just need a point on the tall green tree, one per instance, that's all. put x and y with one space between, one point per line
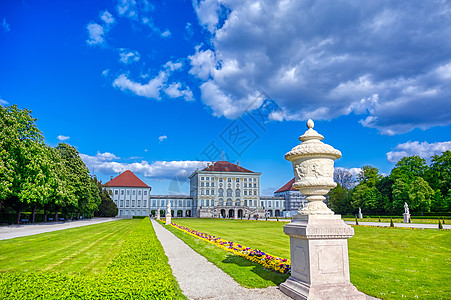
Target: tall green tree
410 167
77 177
439 178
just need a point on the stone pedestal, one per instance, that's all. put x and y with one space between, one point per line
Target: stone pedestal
319 259
406 217
168 219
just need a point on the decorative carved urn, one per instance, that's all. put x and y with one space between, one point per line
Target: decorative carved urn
313 165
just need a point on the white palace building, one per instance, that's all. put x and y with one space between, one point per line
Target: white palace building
221 190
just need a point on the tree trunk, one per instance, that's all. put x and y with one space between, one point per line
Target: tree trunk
18 216
72 215
33 214
78 216
45 215
56 216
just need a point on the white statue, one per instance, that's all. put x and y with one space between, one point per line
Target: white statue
406 208
360 211
169 208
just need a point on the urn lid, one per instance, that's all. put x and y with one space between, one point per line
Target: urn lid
311 145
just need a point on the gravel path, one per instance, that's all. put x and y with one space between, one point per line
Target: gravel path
409 225
13 231
200 279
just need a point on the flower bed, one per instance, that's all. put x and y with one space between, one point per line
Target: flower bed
271 262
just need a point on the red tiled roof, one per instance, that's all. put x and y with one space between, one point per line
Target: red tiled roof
225 166
127 179
287 187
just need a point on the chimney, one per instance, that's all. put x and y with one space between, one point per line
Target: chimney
237 163
111 177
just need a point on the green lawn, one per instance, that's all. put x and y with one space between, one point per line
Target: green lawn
116 260
85 249
385 262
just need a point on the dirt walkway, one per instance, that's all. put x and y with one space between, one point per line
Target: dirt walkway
13 231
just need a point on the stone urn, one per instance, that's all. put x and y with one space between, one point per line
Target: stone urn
318 237
313 165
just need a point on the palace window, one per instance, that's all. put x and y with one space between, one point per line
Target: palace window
277 203
145 193
127 203
208 202
237 193
201 192
180 203
255 185
207 184
221 192
122 203
208 192
262 203
133 192
133 203
269 203
189 203
245 202
144 203
237 180
250 202
122 192
229 180
229 202
237 202
220 202
116 192
212 183
229 192
139 193
201 184
201 178
255 193
128 192
245 193
212 192
245 185
220 179
202 202
245 179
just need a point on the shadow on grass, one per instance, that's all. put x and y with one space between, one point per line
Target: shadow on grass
259 270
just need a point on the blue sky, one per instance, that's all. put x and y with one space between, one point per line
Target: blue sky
162 87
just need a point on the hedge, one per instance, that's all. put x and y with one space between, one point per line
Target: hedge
139 271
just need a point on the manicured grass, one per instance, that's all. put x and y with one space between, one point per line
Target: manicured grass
86 249
245 272
399 220
388 263
139 270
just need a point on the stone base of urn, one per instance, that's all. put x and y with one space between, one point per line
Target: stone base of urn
168 219
319 259
406 217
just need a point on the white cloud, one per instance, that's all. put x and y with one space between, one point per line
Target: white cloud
175 90
153 88
162 138
423 149
63 138
3 102
128 56
5 25
107 17
96 34
105 72
106 163
325 59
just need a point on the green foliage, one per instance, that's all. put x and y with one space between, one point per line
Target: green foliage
356 221
440 226
107 207
338 200
36 176
139 271
391 223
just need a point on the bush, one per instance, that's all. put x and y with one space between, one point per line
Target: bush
356 221
107 208
391 223
440 226
139 271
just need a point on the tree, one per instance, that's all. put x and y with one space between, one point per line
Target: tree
369 176
439 178
344 178
416 193
339 200
77 178
24 164
107 207
410 167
